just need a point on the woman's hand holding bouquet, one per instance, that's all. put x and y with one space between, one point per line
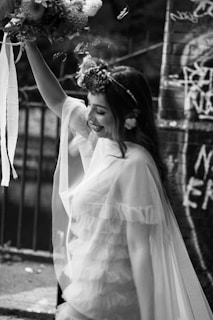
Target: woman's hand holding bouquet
54 19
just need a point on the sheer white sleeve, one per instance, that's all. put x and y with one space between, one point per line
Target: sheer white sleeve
69 172
74 114
135 192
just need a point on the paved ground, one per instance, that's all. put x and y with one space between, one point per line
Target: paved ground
27 289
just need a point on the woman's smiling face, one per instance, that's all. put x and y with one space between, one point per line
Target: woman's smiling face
100 117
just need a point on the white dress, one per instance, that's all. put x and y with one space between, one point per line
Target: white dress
99 193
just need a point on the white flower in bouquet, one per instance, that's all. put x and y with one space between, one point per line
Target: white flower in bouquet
43 2
32 9
91 7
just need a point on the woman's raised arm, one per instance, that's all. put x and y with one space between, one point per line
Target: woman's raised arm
48 85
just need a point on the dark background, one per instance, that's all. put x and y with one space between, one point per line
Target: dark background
111 38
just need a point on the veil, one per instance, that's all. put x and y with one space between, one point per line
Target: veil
177 291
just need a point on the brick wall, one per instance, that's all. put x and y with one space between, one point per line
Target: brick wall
185 120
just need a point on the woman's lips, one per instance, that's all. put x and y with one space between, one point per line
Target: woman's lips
95 127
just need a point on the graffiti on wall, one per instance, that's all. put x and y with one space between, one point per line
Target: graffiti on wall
198 89
203 8
197 84
199 188
194 77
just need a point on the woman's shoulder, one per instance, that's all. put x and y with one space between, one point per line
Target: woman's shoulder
140 163
137 155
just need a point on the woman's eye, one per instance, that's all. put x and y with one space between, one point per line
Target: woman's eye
101 112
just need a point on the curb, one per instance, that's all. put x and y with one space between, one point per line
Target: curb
37 301
26 314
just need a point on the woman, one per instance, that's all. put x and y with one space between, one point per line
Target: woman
118 252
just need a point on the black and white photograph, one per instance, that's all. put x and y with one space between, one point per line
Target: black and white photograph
106 160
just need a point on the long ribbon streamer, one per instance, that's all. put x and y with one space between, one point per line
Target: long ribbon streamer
9 111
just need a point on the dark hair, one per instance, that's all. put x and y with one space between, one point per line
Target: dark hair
122 104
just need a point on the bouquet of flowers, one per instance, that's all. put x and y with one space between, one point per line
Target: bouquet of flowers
54 19
27 20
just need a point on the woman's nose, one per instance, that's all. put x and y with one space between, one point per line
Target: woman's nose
90 114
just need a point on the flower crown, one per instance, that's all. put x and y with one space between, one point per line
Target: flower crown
54 19
95 76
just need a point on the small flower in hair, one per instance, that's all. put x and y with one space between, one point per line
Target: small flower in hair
130 123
